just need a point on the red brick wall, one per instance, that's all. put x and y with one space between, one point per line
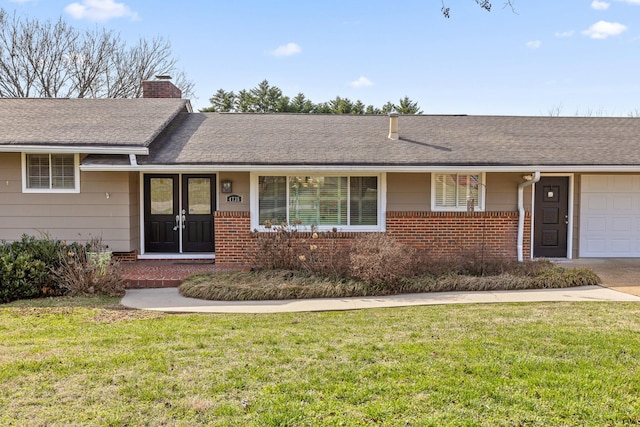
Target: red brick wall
232 237
442 233
160 89
454 233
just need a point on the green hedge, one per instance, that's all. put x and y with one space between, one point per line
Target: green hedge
25 267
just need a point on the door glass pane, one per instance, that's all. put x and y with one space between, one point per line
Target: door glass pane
161 196
199 196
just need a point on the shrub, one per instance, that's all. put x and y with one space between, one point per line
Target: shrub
32 267
285 248
322 254
84 273
378 259
24 268
274 249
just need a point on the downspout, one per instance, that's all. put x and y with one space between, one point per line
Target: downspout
530 180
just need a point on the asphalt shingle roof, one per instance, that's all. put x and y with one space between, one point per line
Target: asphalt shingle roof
352 140
85 122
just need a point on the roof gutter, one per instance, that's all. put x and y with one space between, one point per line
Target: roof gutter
72 149
278 168
529 180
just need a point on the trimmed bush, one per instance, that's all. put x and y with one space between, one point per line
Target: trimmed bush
25 266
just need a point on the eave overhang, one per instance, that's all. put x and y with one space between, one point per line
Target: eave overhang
73 149
363 168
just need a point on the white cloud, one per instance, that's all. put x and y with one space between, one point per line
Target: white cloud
600 5
604 29
534 44
287 50
361 82
100 10
565 33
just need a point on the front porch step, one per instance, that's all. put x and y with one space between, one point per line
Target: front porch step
165 273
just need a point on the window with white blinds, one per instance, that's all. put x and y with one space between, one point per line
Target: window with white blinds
272 203
51 172
457 191
334 201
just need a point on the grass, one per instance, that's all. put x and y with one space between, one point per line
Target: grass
571 364
285 284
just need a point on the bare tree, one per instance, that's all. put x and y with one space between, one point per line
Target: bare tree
45 59
484 4
555 111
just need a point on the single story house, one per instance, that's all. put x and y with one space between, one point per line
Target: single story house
158 180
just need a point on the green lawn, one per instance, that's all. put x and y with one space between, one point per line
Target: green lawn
545 364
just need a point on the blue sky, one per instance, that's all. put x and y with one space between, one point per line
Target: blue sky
576 56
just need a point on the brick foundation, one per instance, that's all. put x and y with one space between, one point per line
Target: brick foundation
442 233
126 256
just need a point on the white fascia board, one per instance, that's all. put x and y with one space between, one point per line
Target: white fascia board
76 149
376 169
109 168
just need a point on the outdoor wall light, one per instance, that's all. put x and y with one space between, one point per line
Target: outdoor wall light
226 186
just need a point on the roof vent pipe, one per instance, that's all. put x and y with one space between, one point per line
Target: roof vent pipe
393 126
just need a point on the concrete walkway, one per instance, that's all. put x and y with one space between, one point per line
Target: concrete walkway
169 300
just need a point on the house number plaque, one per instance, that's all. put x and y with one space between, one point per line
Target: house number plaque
234 198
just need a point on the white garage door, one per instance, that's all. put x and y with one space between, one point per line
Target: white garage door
610 216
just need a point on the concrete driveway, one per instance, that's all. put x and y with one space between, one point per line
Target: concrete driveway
620 274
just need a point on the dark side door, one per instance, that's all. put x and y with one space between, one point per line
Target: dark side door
551 221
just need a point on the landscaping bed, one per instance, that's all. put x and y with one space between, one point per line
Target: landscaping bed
287 284
288 266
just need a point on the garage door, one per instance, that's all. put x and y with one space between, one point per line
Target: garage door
610 216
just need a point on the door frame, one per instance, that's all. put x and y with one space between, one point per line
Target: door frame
570 205
180 254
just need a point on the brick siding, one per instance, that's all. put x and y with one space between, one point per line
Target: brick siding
442 233
232 237
454 233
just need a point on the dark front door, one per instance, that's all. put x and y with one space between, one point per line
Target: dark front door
178 213
197 209
161 207
551 217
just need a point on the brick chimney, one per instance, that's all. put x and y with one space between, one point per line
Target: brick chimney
161 87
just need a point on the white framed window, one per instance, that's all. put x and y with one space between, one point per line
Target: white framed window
457 191
324 201
50 173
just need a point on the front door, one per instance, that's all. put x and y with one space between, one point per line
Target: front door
551 222
178 213
197 212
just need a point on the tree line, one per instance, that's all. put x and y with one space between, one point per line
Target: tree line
266 98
